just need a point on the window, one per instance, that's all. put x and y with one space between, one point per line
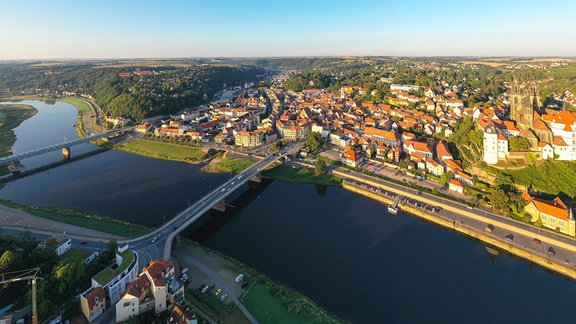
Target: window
543 217
561 222
552 220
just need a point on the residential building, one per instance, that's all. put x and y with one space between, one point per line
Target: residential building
155 288
180 316
114 279
553 214
62 245
456 185
351 157
93 302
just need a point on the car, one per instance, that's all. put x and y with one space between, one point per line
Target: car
489 228
244 284
184 270
218 291
509 237
536 241
204 288
155 239
84 242
239 277
223 297
223 189
551 251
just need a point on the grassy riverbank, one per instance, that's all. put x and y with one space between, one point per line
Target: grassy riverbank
233 165
267 301
11 115
298 175
165 151
75 217
83 108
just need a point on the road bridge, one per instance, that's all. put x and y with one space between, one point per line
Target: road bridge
64 145
158 243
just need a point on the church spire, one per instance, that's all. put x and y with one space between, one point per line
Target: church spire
570 213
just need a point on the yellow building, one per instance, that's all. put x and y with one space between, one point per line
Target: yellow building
553 214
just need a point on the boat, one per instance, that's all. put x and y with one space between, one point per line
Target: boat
393 208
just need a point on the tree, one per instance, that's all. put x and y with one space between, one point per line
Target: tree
8 261
313 142
446 177
68 275
504 181
518 143
320 167
499 199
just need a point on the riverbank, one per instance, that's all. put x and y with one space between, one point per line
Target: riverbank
164 151
78 218
564 270
11 115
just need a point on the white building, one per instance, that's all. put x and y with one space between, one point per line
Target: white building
563 126
491 144
155 288
115 279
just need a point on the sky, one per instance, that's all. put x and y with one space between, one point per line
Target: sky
56 29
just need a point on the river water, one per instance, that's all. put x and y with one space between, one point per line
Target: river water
343 251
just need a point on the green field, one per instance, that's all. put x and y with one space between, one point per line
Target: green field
268 309
79 104
165 151
233 165
300 175
78 218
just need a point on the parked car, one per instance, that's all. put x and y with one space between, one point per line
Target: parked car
489 228
204 288
223 297
239 277
155 238
218 291
536 241
551 251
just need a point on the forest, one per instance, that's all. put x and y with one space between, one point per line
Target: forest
167 90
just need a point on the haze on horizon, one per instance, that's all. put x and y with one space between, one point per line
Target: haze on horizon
60 29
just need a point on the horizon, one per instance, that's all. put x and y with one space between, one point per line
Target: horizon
512 58
69 30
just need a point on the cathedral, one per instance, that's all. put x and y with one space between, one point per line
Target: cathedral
526 112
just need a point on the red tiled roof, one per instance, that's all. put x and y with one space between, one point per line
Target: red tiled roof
96 292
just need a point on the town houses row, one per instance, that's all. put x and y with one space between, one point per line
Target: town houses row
130 292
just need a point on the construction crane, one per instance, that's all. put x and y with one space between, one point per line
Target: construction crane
29 274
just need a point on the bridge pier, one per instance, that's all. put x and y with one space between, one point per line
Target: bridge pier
176 242
15 167
66 153
220 206
256 178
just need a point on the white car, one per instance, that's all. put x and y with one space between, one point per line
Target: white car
155 238
239 278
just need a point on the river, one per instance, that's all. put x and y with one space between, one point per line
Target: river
343 251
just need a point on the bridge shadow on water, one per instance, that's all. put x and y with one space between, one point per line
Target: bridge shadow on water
214 220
